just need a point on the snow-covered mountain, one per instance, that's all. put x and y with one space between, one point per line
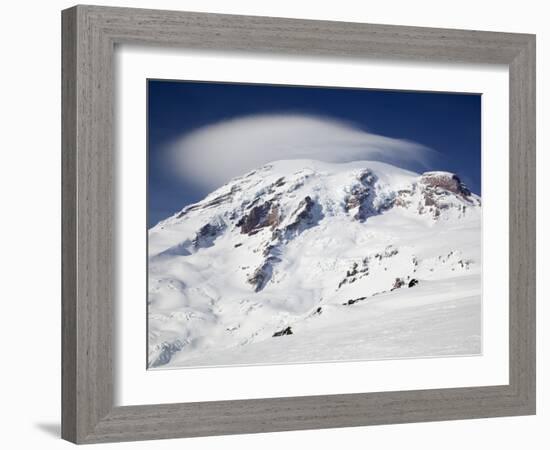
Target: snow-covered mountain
303 260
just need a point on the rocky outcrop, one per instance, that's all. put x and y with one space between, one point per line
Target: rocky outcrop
302 216
361 196
398 283
263 274
164 352
356 272
446 181
436 192
278 183
284 332
403 198
261 216
388 252
361 269
207 234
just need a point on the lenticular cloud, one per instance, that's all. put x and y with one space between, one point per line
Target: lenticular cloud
212 155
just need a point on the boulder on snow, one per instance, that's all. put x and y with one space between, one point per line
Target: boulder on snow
284 332
413 282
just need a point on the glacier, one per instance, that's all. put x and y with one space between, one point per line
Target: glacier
307 261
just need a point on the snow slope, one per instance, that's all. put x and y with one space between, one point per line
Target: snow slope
303 261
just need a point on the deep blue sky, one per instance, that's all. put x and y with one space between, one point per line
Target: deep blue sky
447 123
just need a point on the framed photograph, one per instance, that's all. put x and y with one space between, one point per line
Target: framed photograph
265 223
277 224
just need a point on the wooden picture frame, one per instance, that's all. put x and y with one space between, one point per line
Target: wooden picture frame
90 34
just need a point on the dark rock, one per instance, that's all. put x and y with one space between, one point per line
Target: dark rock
402 198
388 252
356 272
353 270
438 191
259 217
260 277
436 187
273 218
167 350
252 203
355 199
413 282
353 301
344 281
284 332
302 214
207 234
361 196
251 220
269 249
447 181
280 182
263 274
399 282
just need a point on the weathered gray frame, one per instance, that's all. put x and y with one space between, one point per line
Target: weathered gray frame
89 36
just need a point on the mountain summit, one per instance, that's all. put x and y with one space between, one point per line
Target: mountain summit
300 260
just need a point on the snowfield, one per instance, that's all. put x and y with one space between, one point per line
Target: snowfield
303 261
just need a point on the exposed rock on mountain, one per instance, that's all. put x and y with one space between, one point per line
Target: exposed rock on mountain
284 332
445 181
207 234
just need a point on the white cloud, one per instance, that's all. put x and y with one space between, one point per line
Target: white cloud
212 155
